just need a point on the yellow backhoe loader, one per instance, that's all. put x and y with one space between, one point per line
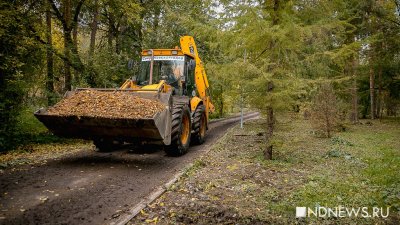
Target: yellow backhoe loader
175 77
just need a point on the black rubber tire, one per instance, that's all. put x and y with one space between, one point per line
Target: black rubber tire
199 120
104 145
177 148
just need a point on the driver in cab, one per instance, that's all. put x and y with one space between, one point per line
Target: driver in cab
173 74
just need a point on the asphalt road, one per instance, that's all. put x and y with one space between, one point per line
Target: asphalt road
88 187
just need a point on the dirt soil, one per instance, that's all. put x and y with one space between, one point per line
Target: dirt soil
87 187
233 184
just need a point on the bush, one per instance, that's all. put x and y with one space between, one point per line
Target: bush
324 109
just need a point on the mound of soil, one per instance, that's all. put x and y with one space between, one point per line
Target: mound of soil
115 104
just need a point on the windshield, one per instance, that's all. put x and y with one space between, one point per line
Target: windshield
169 68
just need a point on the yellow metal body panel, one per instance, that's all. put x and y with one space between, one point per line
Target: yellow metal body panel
189 48
162 86
151 86
163 52
194 102
129 84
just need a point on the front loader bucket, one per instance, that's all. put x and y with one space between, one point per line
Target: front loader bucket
157 128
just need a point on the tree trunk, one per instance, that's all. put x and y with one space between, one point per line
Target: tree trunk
270 125
111 31
67 66
92 78
75 36
354 114
71 56
372 91
268 152
379 95
49 58
270 121
75 45
117 42
275 17
354 94
270 131
67 35
93 33
157 13
139 26
270 85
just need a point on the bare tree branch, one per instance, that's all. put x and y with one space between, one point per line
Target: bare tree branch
49 46
58 14
76 14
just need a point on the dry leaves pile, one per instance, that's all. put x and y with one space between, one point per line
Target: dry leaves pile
116 104
40 153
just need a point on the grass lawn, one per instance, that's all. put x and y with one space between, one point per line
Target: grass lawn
233 184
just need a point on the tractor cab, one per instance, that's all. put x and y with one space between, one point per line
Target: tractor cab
170 65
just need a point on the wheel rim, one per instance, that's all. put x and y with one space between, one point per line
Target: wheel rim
185 129
202 126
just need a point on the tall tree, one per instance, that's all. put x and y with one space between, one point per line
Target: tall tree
20 59
92 45
69 21
49 57
93 27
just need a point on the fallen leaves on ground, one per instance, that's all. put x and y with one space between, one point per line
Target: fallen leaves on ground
107 104
40 153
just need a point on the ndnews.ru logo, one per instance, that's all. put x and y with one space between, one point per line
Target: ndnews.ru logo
341 211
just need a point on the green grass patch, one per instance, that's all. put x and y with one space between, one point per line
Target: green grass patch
359 168
30 130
